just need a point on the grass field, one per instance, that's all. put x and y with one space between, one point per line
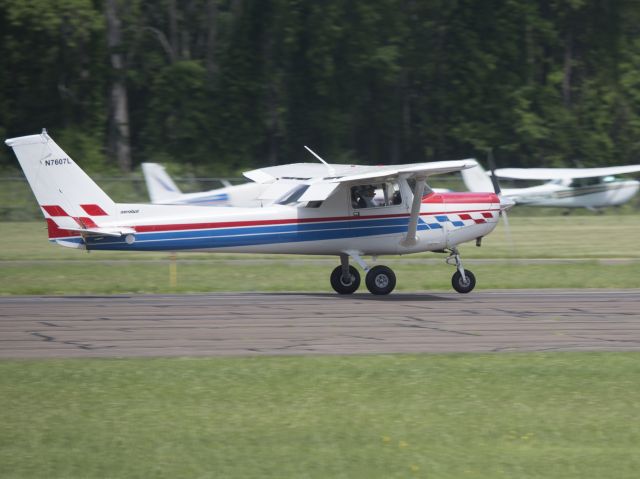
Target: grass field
551 415
592 251
447 416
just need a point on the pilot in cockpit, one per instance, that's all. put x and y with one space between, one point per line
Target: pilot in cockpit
362 196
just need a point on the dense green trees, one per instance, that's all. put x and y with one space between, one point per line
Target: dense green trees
232 84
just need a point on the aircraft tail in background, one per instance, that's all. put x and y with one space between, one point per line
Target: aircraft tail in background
476 179
161 187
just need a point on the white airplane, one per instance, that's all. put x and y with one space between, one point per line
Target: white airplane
256 193
331 213
163 191
590 188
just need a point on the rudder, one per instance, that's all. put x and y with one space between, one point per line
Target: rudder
68 197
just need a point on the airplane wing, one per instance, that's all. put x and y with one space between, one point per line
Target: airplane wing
416 170
302 172
324 179
563 173
315 172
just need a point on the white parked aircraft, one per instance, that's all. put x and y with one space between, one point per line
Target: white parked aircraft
590 188
163 191
329 213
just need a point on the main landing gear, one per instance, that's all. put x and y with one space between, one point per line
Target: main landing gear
380 280
345 279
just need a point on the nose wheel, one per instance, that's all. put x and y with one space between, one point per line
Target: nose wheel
463 285
463 280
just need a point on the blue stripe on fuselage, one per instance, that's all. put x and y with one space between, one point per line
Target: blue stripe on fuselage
260 235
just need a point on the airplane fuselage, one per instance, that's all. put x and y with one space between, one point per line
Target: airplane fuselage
561 194
446 219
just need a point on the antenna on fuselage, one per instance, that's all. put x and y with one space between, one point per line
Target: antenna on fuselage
332 172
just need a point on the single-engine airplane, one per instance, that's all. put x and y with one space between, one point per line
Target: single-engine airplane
591 188
331 212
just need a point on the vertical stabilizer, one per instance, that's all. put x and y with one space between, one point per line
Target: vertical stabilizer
476 179
66 194
160 185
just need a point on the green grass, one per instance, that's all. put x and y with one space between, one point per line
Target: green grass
447 416
30 265
86 277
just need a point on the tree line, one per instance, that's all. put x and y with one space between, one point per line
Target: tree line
226 85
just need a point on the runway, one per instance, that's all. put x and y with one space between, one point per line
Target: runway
253 324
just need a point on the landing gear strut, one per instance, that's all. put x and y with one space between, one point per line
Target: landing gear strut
463 280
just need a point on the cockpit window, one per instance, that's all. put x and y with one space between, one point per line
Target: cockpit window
293 195
582 182
376 195
412 186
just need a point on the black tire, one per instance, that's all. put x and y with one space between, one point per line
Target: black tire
380 280
340 286
459 285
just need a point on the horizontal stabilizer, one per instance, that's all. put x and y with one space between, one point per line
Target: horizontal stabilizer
114 231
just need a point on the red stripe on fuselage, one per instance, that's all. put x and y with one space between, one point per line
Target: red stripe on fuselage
239 224
460 198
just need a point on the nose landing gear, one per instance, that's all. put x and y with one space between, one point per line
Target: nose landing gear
463 280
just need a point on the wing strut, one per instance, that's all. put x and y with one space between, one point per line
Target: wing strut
411 238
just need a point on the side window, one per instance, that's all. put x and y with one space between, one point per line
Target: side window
412 186
376 195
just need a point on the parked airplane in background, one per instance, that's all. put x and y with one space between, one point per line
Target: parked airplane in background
590 188
163 191
329 213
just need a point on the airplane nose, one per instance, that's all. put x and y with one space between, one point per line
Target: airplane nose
506 203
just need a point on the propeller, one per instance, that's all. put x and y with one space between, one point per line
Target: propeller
505 203
492 169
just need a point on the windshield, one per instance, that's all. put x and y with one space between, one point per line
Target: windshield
292 196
